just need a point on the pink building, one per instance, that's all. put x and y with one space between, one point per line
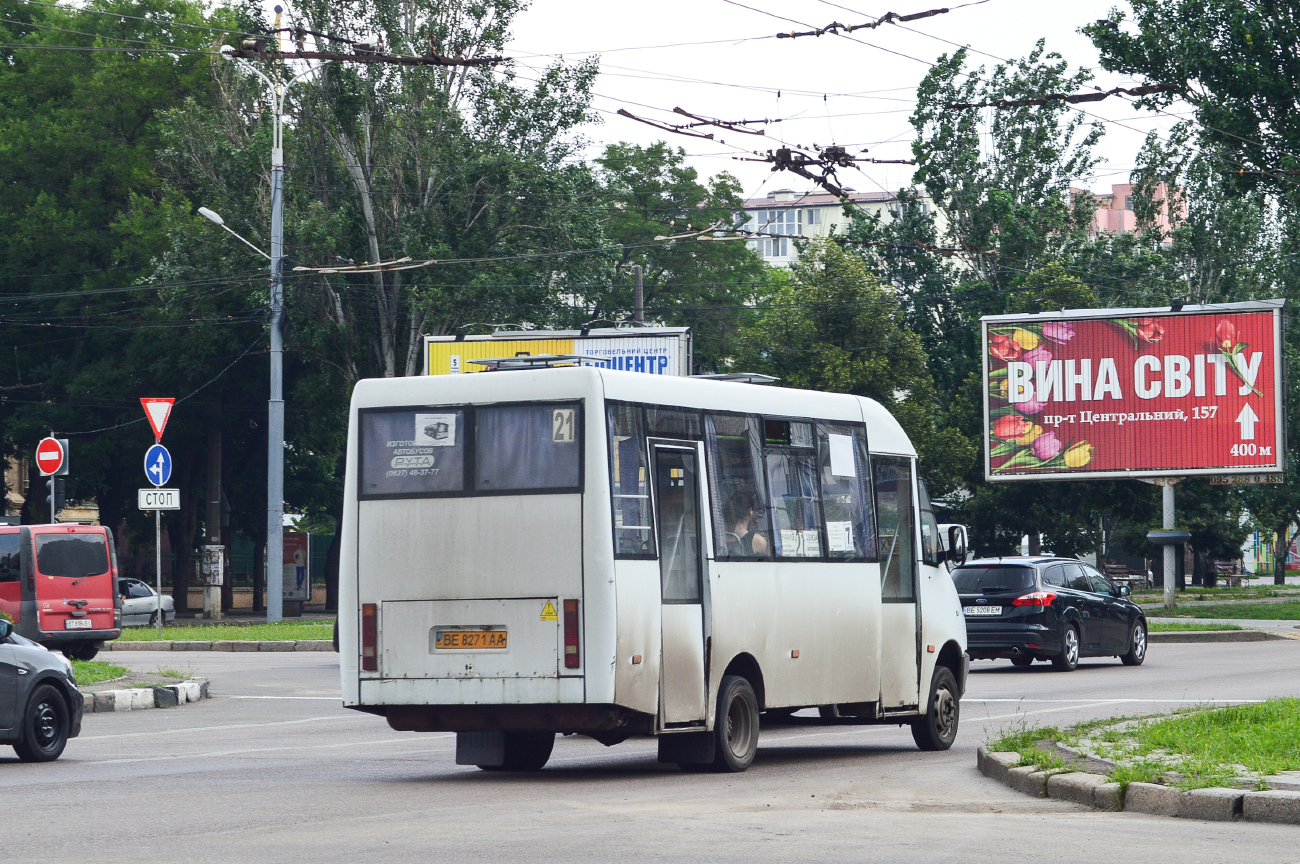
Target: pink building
1115 214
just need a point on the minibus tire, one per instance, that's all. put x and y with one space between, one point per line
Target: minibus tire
43 726
82 650
525 751
736 725
936 729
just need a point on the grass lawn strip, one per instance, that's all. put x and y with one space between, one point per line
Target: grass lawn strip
1187 627
96 671
1285 611
283 631
1237 746
1210 595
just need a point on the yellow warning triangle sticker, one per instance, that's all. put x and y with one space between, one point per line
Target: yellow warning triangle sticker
548 612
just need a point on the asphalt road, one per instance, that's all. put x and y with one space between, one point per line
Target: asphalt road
272 769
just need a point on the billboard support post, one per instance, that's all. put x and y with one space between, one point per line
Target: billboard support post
1167 493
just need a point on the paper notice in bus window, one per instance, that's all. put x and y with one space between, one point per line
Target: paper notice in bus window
842 462
789 543
810 544
435 430
839 536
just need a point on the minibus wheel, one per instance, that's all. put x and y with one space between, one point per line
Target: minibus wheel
936 729
736 725
82 650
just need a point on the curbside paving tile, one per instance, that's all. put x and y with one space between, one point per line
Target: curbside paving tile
225 645
140 698
1212 805
1272 806
1095 791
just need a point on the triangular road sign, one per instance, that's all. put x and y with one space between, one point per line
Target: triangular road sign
157 411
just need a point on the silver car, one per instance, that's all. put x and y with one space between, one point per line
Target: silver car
140 604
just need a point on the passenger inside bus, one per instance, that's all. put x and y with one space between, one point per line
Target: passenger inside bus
743 536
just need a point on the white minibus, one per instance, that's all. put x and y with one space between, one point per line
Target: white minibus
586 550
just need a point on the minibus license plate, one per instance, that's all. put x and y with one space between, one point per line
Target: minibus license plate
77 624
470 640
972 611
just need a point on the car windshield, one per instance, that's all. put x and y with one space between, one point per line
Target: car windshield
993 580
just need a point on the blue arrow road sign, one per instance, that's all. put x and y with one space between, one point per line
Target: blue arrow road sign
158 465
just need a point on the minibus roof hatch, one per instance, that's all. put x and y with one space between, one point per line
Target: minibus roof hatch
741 377
533 361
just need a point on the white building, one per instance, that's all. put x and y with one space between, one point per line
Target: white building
810 214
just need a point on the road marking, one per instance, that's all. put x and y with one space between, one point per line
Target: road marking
970 699
244 752
218 728
338 698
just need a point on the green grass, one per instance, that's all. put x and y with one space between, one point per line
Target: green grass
1199 747
285 630
95 671
1186 626
1209 595
1285 611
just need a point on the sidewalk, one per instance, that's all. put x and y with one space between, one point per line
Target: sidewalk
1285 627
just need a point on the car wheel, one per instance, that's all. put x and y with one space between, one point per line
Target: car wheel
1022 660
336 635
735 728
525 751
44 727
1068 659
937 728
1137 645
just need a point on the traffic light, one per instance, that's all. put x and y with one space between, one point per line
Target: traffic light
54 495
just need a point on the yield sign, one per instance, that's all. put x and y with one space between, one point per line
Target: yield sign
49 456
157 410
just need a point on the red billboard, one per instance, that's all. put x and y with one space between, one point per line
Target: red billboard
1094 393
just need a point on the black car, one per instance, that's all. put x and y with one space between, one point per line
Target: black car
40 705
1047 608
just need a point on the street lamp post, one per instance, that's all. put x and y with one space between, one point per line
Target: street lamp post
275 405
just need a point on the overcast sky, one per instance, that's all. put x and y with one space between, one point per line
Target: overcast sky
824 90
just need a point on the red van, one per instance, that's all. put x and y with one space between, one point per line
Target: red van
58 584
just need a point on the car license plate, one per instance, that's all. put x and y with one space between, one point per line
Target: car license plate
77 624
470 640
973 611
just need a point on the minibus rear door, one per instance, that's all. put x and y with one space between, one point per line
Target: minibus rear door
678 481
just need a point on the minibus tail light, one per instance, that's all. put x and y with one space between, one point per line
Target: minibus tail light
571 657
369 637
1034 598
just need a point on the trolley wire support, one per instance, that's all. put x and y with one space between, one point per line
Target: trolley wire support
1071 98
820 169
836 27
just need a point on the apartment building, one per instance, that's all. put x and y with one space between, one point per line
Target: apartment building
789 214
1114 210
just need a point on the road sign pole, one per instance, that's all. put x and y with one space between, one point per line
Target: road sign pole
54 496
157 563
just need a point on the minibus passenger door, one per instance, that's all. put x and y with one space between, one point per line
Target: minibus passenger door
677 484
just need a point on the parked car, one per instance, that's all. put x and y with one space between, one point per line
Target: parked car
58 586
140 603
1047 608
40 705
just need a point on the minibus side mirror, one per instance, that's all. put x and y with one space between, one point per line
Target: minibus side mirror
5 629
957 544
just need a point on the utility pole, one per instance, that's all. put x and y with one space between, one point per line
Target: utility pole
638 313
255 49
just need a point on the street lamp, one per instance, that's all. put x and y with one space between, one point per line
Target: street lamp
214 218
275 406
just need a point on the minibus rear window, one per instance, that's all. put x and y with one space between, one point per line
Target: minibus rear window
528 447
412 452
71 555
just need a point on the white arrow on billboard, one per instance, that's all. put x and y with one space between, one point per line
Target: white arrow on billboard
1247 419
157 411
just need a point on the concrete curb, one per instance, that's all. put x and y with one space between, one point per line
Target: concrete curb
1097 792
140 698
1213 636
232 645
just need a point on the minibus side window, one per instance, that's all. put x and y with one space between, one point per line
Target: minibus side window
629 483
735 450
673 423
792 485
10 559
527 447
893 476
842 468
411 452
931 548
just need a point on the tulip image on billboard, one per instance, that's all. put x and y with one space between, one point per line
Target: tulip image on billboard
1134 392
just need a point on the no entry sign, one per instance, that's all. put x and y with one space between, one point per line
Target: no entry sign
1134 392
51 456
